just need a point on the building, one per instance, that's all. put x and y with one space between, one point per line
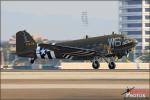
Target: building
134 20
1 58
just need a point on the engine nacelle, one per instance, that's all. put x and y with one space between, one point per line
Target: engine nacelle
123 53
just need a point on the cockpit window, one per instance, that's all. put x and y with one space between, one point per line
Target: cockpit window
118 43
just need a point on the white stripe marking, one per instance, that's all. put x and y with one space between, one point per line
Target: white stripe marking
71 57
52 54
64 55
53 43
67 56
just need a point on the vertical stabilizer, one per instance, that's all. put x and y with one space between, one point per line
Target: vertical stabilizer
25 44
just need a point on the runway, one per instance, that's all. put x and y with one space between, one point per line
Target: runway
71 84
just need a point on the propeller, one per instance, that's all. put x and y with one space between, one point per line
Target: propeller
108 48
127 53
127 56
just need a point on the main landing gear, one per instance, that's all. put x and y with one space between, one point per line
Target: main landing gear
111 63
95 64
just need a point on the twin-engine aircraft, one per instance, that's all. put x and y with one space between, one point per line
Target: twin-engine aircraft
95 49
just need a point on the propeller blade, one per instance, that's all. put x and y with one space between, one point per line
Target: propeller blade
116 58
127 55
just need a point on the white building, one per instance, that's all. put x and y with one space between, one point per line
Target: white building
1 57
134 20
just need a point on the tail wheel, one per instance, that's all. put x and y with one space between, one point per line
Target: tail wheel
112 65
32 60
95 64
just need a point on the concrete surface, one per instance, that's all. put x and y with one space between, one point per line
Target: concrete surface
88 65
71 84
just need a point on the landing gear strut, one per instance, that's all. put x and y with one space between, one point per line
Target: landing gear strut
95 64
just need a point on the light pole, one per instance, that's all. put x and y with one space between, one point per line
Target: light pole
84 19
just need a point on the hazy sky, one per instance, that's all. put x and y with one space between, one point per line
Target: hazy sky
59 20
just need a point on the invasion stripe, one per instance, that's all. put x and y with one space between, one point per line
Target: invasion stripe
52 54
81 53
67 56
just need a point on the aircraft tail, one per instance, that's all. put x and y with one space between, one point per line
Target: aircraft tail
25 44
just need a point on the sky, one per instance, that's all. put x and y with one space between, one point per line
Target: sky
58 20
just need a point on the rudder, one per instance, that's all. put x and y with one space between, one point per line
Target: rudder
25 44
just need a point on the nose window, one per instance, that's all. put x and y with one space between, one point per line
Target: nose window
118 43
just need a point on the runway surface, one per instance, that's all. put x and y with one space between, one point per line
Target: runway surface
71 84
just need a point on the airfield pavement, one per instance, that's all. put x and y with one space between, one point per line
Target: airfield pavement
71 84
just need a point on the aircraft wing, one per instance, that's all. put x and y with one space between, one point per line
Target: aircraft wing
67 50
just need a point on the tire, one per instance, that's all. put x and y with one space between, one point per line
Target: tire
95 65
112 65
32 61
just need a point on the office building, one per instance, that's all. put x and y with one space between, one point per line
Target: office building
134 20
